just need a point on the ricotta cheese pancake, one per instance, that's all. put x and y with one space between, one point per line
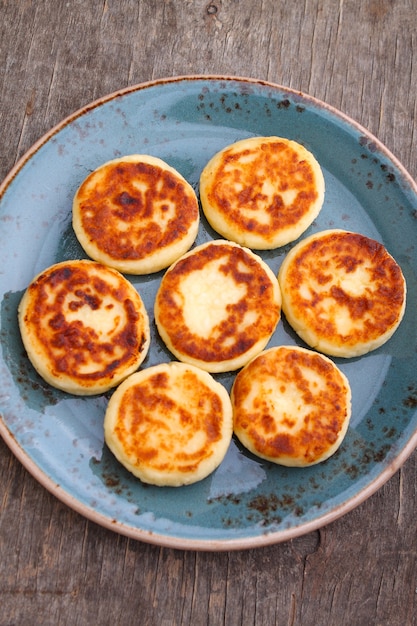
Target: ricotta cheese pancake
170 424
262 192
136 214
342 292
291 406
217 306
84 326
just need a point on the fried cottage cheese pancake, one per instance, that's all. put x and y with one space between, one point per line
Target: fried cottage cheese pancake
262 192
84 326
170 424
291 406
136 214
217 306
342 292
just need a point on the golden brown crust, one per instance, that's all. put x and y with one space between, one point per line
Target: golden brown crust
169 424
84 326
262 192
230 287
291 406
136 214
342 292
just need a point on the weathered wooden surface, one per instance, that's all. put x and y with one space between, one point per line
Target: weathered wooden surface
57 55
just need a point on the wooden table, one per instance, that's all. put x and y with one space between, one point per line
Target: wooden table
59 568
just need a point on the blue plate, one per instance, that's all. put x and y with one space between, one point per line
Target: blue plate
59 438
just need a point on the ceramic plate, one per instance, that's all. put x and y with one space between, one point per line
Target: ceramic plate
59 437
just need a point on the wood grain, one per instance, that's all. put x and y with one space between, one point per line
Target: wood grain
58 568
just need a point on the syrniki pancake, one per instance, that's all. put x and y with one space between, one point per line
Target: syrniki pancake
342 292
170 424
84 326
136 214
262 192
217 306
291 406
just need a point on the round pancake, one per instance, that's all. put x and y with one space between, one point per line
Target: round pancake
217 306
136 214
262 192
84 326
291 406
342 292
170 424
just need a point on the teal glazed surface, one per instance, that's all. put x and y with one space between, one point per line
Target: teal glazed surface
246 502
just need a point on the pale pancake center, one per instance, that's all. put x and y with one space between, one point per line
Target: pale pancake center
355 284
105 324
285 401
206 298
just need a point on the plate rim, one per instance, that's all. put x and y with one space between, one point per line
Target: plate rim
97 102
157 538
